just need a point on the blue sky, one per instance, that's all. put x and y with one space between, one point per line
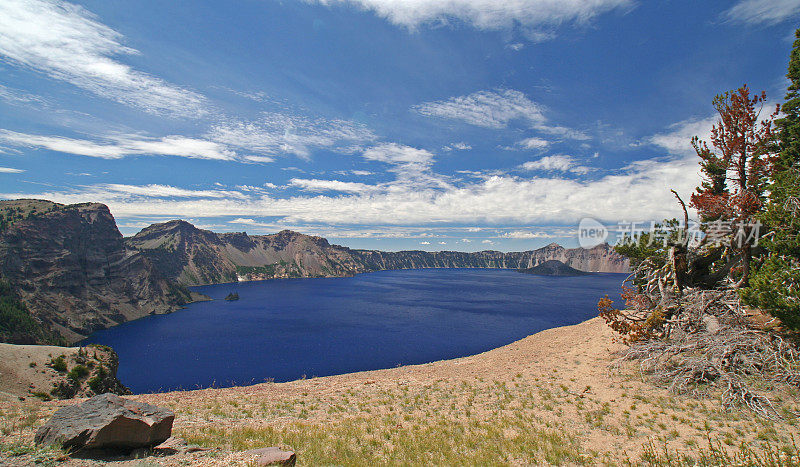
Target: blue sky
391 124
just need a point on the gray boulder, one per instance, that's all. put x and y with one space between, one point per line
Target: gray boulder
107 422
273 456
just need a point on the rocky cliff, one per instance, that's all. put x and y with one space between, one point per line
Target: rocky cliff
193 256
601 258
69 265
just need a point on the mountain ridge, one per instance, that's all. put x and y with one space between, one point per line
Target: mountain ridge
194 256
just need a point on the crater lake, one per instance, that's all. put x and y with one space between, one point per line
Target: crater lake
282 330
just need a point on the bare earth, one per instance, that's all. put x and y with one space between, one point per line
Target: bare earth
23 368
551 398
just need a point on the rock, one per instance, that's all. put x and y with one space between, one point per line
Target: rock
175 445
273 456
553 267
107 421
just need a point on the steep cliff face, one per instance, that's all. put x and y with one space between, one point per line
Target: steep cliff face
70 266
193 256
601 258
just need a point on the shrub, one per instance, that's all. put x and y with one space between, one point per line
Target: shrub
78 372
97 382
59 364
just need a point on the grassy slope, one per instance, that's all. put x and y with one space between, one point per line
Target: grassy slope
549 398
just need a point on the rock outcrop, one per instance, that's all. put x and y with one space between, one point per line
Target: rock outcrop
107 422
70 266
553 267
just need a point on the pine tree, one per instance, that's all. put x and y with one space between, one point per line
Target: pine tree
775 287
736 170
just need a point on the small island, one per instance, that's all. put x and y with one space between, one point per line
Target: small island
232 296
553 268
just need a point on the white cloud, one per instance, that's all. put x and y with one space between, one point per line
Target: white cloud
68 43
557 163
496 109
523 234
259 159
488 242
460 146
424 243
119 146
329 185
677 140
763 11
485 14
241 220
516 47
277 133
17 97
488 109
9 170
394 153
165 191
361 173
637 192
533 143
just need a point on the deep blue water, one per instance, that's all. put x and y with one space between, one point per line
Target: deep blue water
285 329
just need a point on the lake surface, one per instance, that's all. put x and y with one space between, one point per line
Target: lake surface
287 329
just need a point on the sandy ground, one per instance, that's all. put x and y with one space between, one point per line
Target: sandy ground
23 369
560 380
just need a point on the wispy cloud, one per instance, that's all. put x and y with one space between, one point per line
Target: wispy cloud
526 234
496 109
9 170
763 11
458 146
277 134
394 153
315 185
17 97
529 143
486 14
166 191
677 139
119 146
66 42
488 109
557 163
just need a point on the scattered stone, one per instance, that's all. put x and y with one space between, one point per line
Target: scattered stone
175 445
107 422
273 456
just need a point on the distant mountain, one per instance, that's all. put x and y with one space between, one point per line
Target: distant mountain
194 256
70 269
601 258
553 267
